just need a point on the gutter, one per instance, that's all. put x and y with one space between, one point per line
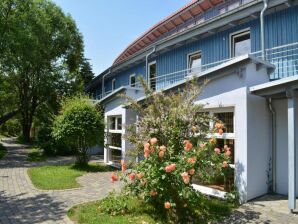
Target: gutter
263 29
273 150
147 56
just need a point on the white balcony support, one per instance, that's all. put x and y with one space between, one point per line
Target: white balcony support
291 152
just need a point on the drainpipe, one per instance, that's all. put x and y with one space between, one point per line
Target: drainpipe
262 29
103 83
147 56
273 153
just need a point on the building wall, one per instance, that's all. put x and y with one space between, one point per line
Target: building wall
280 107
280 28
252 134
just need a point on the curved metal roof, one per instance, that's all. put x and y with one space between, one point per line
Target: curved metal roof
164 27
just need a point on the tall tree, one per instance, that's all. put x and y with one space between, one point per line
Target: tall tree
86 72
41 52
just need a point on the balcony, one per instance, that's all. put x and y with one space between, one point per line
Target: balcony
284 58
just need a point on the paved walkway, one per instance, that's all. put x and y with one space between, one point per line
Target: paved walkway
21 202
269 209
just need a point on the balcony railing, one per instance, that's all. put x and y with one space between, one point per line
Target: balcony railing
285 59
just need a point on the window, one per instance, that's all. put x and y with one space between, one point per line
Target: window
194 63
115 123
152 75
116 156
115 140
228 119
240 43
132 80
113 84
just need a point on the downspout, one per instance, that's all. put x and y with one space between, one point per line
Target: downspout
263 29
103 83
147 56
273 153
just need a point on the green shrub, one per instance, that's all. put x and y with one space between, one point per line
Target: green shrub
80 126
172 136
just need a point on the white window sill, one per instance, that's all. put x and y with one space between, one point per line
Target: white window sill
209 191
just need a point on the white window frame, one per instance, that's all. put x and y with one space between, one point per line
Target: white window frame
113 84
133 75
237 34
192 54
148 72
116 124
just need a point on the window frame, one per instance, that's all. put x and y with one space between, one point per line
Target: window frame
148 72
236 34
116 117
113 84
189 56
130 84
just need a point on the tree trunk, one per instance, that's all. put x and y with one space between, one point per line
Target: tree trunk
8 116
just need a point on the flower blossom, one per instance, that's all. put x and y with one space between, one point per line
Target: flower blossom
219 126
114 177
163 148
228 152
123 165
212 141
187 145
132 176
153 193
225 164
170 168
191 171
153 141
192 160
185 177
167 205
217 150
140 175
220 131
161 154
202 145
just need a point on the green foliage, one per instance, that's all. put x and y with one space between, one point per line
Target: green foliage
11 127
172 135
136 211
80 126
41 52
3 151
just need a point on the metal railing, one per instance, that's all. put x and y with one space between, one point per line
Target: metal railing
285 59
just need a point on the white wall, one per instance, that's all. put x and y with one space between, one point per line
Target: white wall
280 107
250 113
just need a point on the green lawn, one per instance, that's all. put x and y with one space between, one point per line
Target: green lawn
3 151
139 212
36 155
89 213
61 177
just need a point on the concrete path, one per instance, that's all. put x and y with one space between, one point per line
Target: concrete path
21 202
269 209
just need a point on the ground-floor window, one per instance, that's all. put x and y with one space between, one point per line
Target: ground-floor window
226 142
115 156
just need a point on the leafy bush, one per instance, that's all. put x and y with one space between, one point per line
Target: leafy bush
80 126
171 135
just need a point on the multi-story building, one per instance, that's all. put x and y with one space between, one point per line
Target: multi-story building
248 50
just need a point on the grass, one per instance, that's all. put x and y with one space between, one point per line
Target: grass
139 212
89 213
3 151
61 177
36 155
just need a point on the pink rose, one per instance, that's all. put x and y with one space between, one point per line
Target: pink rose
167 205
170 168
192 160
153 141
191 171
132 176
185 177
161 154
217 150
114 177
225 164
187 146
163 148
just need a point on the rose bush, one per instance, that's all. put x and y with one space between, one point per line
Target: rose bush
172 145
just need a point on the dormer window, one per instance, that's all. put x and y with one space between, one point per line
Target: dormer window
132 80
194 63
240 43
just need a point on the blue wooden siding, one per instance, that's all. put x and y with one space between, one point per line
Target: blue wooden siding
280 28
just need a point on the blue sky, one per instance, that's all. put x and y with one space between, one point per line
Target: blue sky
108 26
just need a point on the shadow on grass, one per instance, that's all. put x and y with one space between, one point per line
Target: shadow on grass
36 155
93 168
